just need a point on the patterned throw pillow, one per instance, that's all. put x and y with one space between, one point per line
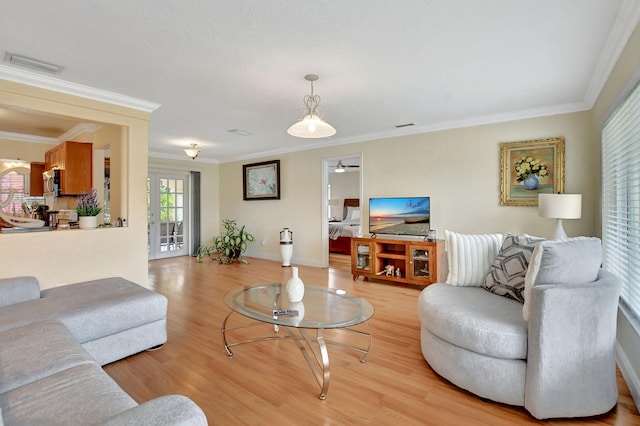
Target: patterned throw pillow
506 276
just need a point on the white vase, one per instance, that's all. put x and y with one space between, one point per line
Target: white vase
88 222
295 287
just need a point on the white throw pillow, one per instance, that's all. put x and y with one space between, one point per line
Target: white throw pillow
353 213
470 257
571 261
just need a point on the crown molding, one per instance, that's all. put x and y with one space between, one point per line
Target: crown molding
414 130
626 23
76 130
58 85
20 137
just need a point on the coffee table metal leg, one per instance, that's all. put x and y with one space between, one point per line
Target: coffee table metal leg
224 337
326 373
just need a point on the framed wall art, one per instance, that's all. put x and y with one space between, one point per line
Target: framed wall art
529 168
261 181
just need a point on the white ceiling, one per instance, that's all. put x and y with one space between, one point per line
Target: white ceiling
217 65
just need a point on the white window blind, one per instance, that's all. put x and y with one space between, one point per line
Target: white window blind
16 182
621 197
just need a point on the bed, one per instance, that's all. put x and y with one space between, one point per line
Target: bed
340 233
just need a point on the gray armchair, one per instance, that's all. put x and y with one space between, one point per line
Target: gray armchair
560 362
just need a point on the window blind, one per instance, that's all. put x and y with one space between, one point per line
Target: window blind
621 197
16 182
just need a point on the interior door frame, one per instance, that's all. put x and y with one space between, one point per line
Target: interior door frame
325 201
155 208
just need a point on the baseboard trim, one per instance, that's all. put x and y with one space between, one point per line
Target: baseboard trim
629 374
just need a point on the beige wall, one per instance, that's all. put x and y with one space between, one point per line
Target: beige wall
62 257
459 169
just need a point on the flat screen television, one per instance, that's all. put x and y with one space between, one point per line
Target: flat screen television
400 216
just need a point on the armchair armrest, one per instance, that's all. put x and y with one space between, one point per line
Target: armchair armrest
166 410
18 289
571 360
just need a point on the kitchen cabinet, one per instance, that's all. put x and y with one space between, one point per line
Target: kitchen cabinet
36 184
75 162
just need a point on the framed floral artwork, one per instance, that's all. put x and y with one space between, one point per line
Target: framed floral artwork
261 181
529 168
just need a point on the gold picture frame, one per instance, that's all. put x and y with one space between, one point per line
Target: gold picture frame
542 158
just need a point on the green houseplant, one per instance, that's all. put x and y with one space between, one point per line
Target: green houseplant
227 247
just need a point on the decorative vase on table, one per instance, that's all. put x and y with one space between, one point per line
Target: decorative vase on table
531 182
295 287
88 222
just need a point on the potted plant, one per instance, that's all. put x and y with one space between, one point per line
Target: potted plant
229 246
88 208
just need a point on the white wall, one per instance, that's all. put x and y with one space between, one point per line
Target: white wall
343 185
623 77
459 169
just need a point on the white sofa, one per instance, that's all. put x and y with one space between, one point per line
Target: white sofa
554 355
52 346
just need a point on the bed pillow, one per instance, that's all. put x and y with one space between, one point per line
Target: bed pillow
470 256
572 261
355 214
506 275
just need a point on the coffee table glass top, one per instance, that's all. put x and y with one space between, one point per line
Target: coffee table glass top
320 307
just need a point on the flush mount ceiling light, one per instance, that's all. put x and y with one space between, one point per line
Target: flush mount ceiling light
35 64
192 152
311 125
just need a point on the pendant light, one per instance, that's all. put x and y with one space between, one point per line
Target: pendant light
311 125
192 152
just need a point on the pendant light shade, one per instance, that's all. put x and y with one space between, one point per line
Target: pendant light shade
311 126
192 152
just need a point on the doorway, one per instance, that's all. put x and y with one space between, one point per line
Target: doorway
167 215
342 187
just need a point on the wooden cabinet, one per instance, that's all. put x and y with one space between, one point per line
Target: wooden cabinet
36 182
75 161
410 262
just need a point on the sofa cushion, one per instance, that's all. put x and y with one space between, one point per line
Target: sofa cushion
18 289
92 309
572 261
506 276
37 350
81 395
470 256
474 319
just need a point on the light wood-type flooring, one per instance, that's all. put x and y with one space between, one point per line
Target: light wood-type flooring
269 383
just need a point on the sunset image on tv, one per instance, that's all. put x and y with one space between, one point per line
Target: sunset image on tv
399 216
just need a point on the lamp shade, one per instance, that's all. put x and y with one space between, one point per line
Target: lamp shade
560 206
311 127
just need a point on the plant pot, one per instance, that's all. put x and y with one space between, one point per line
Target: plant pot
88 222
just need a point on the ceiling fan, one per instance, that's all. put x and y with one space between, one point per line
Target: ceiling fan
341 168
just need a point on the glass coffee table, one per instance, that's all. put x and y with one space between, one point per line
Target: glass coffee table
320 309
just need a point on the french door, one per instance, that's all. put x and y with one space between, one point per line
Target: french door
167 215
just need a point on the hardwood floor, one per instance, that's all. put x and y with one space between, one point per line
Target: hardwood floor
269 383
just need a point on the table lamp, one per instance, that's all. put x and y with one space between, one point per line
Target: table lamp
560 206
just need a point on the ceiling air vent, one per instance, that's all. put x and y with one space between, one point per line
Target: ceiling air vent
400 126
35 64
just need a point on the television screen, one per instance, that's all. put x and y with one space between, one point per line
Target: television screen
399 216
